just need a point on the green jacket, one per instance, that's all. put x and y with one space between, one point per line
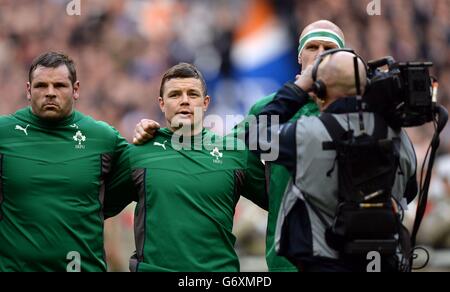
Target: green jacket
186 201
52 182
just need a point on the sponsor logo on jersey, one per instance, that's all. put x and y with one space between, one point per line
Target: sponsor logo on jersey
163 145
20 128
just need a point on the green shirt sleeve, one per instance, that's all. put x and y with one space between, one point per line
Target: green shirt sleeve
239 130
255 184
310 109
120 189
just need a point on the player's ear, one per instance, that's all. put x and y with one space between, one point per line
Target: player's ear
76 90
161 103
206 102
28 91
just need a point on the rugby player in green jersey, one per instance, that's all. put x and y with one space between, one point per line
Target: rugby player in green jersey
188 183
316 37
54 162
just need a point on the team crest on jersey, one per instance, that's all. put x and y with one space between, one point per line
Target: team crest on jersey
80 138
217 155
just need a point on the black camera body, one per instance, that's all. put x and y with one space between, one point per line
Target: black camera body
403 94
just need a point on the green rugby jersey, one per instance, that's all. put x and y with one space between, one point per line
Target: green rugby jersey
278 181
52 182
186 202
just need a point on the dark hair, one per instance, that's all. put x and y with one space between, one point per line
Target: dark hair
182 70
54 60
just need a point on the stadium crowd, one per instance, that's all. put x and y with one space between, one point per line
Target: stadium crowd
122 47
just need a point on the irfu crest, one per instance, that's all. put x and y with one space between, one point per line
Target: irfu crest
80 138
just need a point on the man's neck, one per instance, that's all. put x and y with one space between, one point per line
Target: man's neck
326 104
187 131
51 121
343 105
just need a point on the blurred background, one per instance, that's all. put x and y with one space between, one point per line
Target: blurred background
246 50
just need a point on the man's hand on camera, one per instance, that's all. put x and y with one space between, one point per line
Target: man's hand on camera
305 81
144 131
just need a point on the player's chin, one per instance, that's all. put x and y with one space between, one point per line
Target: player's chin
183 121
51 115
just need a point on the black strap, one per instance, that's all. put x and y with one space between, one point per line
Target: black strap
380 130
441 121
334 129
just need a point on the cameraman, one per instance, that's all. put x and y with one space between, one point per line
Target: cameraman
300 231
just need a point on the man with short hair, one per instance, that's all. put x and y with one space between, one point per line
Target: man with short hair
311 199
188 183
316 38
54 163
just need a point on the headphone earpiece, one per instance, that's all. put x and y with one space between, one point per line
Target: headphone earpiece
320 89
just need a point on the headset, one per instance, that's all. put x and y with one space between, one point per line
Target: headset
319 87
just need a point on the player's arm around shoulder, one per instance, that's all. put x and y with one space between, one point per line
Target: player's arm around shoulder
120 190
